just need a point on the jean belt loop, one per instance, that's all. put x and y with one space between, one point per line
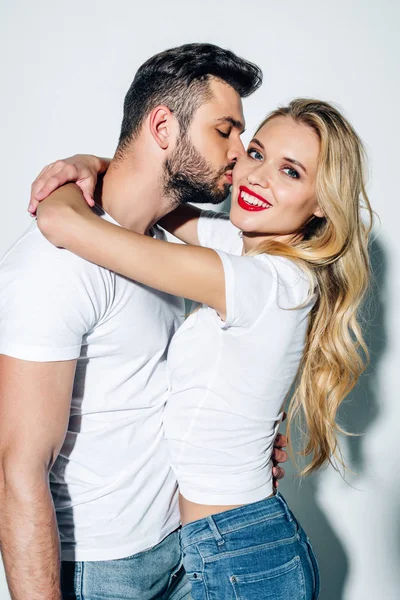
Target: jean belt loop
285 506
213 526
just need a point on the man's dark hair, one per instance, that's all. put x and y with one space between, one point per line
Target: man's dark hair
179 78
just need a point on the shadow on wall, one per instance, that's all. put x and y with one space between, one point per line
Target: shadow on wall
361 409
357 414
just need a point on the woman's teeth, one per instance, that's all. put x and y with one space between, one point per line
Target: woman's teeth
253 201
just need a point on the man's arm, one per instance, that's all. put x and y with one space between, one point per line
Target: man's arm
34 412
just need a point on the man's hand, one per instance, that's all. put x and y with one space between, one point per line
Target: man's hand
82 169
279 456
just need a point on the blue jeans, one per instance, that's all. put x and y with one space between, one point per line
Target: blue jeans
255 552
156 573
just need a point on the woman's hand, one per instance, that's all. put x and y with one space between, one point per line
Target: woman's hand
82 169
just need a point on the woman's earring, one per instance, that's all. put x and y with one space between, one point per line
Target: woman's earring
240 233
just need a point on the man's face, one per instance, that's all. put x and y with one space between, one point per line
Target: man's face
200 168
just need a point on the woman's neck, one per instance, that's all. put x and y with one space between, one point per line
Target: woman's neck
252 241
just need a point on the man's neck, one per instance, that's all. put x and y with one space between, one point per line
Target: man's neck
133 196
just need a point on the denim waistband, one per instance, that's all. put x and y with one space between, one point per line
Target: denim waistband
215 526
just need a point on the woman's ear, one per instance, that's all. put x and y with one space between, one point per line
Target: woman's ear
318 213
163 126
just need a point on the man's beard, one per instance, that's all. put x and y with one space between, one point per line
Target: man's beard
188 177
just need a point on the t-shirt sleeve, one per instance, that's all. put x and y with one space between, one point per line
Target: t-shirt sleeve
47 302
254 283
215 230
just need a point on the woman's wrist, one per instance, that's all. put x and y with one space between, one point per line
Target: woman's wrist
63 216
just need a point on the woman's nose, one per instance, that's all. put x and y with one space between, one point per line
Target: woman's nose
258 177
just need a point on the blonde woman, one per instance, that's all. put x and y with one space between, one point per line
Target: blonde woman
279 286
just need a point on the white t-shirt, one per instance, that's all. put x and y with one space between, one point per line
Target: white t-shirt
222 416
113 489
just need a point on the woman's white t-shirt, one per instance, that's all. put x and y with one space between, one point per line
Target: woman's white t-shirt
229 379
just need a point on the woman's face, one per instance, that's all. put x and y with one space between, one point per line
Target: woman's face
273 191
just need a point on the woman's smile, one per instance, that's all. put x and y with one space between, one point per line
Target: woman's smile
249 200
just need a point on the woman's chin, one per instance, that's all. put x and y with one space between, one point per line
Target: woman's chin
243 221
234 220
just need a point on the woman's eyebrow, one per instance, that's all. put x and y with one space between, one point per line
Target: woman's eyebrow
295 162
255 140
287 158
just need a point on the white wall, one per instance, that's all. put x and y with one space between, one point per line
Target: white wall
65 69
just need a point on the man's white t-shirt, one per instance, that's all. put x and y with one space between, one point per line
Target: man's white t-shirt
113 489
221 417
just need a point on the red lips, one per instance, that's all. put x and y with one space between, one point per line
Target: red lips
243 204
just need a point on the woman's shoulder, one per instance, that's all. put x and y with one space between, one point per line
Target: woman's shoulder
215 230
295 283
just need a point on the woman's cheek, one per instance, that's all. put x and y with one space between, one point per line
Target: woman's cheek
237 176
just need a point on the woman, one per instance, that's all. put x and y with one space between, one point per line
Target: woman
278 304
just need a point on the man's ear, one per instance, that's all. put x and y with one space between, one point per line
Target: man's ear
163 126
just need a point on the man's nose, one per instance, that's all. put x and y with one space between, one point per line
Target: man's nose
236 150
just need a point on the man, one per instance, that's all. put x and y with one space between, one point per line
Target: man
82 355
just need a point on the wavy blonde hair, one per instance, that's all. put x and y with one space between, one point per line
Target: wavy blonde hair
334 250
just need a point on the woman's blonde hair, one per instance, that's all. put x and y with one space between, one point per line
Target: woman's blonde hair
335 250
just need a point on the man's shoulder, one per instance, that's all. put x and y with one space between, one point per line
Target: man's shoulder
51 289
33 251
33 265
48 301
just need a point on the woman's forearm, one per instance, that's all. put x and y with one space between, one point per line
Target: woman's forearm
55 214
188 271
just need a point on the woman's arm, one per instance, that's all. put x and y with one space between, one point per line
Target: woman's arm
84 170
189 271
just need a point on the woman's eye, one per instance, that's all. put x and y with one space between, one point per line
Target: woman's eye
254 154
291 173
224 134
